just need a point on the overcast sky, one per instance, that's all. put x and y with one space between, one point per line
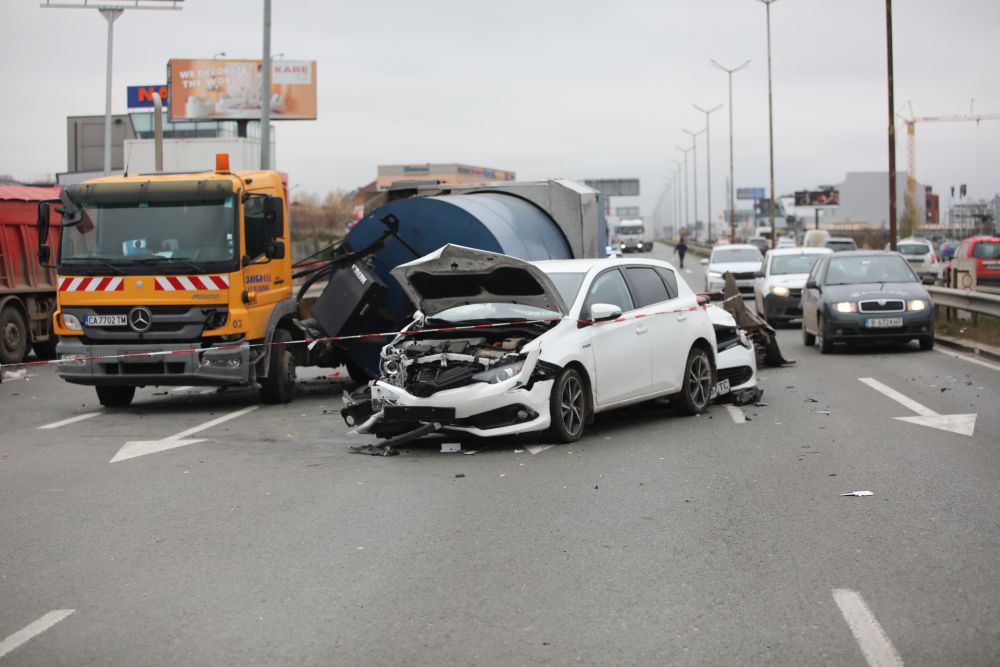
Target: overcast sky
547 88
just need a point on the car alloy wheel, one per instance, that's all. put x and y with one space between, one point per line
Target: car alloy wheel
697 387
568 407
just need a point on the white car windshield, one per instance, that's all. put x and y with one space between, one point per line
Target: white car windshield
501 312
727 255
782 265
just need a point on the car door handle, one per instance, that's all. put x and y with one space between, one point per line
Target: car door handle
640 330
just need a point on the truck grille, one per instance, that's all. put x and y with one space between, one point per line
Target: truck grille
886 306
168 323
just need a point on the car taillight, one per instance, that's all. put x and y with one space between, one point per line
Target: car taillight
933 257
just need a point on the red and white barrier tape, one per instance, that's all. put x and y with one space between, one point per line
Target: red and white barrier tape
335 339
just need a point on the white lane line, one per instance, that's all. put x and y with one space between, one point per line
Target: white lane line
875 645
136 448
32 630
905 401
538 449
738 415
971 360
71 420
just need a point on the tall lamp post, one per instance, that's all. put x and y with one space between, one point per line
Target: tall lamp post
677 194
111 10
732 183
770 120
687 218
892 130
708 162
694 166
265 93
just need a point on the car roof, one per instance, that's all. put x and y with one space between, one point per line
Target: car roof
804 250
839 239
914 239
585 265
740 246
866 253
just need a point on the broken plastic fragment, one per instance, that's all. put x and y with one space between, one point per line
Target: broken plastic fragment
450 447
859 494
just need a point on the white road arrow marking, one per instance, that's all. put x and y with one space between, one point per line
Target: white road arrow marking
961 424
136 448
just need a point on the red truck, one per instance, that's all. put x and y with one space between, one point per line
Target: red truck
27 289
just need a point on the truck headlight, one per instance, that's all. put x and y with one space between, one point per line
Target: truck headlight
845 307
916 304
639 244
779 290
500 373
72 322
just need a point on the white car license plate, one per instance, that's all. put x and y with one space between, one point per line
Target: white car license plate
104 320
721 388
883 322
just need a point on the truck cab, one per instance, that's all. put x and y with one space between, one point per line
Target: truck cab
174 279
631 237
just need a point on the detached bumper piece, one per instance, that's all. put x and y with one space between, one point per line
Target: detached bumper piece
386 448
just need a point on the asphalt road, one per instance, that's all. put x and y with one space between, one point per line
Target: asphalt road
657 539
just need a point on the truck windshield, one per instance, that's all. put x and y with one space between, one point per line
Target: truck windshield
631 230
172 234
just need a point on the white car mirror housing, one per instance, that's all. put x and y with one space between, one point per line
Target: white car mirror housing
602 312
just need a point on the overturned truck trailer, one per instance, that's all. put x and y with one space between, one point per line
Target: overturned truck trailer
556 219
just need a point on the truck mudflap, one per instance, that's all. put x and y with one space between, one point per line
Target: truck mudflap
175 364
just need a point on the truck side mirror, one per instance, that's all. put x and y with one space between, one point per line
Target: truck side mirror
275 250
274 211
43 221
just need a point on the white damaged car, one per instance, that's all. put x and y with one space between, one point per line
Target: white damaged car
501 346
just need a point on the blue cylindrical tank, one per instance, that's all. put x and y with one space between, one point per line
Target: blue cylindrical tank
487 220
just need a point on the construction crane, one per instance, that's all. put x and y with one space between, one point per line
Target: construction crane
911 139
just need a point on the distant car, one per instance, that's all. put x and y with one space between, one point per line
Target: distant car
741 259
840 244
947 250
778 289
920 254
865 295
502 346
786 242
762 244
985 250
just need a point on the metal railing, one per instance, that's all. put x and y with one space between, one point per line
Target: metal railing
981 303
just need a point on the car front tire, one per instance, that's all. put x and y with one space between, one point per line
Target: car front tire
567 406
825 344
699 377
927 343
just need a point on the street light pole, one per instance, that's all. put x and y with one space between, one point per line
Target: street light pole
110 10
687 218
708 162
677 195
892 130
770 121
732 182
265 93
694 166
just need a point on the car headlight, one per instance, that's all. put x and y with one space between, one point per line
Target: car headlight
622 244
779 290
714 274
845 307
500 373
916 304
72 322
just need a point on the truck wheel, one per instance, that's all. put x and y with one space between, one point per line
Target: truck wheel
279 386
567 407
45 349
697 383
115 397
13 336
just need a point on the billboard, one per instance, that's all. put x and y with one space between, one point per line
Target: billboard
141 97
817 198
615 187
230 89
750 193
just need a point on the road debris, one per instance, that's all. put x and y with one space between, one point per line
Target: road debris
858 494
822 412
451 447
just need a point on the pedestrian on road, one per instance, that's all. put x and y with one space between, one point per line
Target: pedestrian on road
680 250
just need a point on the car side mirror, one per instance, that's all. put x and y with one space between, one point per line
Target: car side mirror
704 261
811 284
603 312
758 274
275 250
275 214
928 280
43 222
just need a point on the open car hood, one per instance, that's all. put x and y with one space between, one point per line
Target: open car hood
454 275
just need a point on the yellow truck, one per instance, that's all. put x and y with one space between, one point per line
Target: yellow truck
175 279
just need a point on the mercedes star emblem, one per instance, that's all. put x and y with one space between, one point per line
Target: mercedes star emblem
140 319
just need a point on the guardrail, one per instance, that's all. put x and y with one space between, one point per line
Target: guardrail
975 302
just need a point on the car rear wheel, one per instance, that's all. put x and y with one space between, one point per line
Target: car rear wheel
927 343
115 397
567 407
698 380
